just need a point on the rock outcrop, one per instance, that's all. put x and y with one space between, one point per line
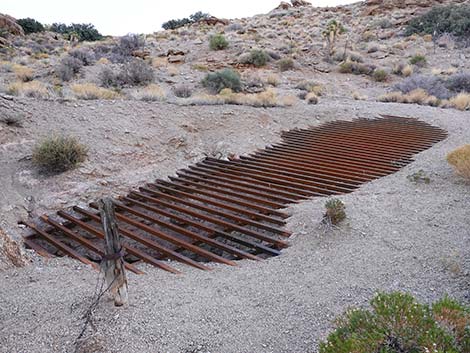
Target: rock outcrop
375 7
300 3
9 24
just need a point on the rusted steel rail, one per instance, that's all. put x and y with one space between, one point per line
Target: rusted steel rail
224 210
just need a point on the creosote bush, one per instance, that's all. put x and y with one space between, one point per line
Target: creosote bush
68 67
453 19
398 323
226 78
418 60
256 57
460 160
58 154
380 75
286 64
30 25
335 212
218 42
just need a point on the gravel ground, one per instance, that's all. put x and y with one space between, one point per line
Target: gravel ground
398 236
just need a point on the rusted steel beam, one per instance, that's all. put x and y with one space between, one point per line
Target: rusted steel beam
202 226
61 246
99 233
148 242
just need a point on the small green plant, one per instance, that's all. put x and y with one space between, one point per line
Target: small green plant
380 75
418 60
58 154
398 323
453 19
30 25
226 78
331 33
258 58
218 42
419 177
286 64
335 212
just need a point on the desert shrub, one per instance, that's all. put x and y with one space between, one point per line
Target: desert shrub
398 323
380 75
89 91
417 96
402 69
31 89
311 98
335 212
459 82
182 91
218 42
460 101
81 31
286 64
30 25
128 44
108 77
85 55
256 57
454 19
137 72
234 27
68 67
350 67
58 154
219 80
348 55
177 23
383 23
460 160
431 84
273 80
418 60
151 93
23 73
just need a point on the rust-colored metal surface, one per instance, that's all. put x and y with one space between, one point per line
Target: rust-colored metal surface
224 210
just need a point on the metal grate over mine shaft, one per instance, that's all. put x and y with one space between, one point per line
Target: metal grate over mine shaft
224 210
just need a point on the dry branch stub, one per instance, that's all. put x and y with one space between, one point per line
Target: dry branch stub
226 210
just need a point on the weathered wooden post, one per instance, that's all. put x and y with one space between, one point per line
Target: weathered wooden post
113 262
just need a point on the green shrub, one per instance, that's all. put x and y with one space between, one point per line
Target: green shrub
398 323
380 75
81 31
30 25
219 80
350 67
286 64
218 42
454 19
58 154
257 57
174 24
335 212
418 60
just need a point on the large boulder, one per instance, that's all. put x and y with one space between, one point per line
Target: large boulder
9 24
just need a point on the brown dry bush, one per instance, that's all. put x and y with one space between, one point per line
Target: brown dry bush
460 160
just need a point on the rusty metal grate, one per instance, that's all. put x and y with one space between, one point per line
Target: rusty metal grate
224 210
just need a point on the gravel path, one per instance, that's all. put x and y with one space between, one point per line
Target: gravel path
398 236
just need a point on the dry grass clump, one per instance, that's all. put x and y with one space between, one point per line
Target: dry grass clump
273 80
32 89
380 75
403 69
23 73
58 154
268 98
311 87
311 98
91 91
335 212
151 93
286 64
460 101
460 160
358 97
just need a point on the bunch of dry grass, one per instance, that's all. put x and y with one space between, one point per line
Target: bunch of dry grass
151 93
421 97
460 160
32 89
57 154
460 101
23 73
268 98
90 91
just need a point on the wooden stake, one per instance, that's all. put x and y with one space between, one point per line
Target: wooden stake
113 262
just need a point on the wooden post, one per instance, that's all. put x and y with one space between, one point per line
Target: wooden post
113 262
